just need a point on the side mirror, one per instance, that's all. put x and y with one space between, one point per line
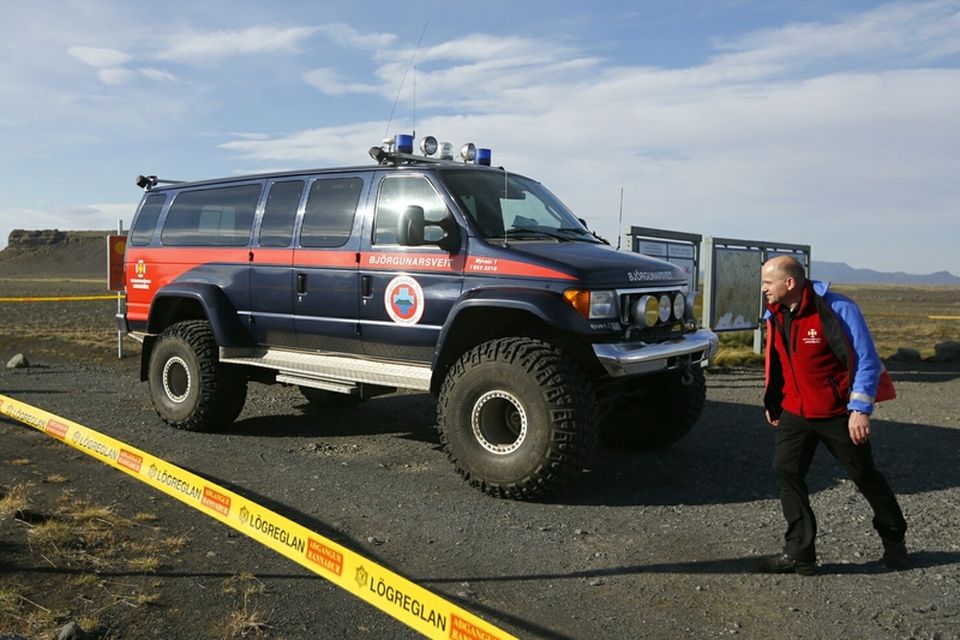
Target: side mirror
410 227
451 234
411 230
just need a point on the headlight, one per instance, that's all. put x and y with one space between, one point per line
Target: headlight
691 303
593 305
679 306
665 306
646 311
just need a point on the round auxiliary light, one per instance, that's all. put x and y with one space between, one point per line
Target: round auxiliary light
646 310
403 143
665 306
468 152
446 151
428 146
483 157
691 303
679 306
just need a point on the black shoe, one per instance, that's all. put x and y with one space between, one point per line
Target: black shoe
782 563
895 555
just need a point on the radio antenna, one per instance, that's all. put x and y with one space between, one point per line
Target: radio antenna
620 223
403 78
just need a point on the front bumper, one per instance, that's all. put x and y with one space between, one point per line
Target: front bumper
636 358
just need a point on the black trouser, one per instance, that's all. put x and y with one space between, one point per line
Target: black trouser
796 443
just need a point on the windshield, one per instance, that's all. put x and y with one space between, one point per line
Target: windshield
503 205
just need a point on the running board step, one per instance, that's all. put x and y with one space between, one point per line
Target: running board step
346 388
338 371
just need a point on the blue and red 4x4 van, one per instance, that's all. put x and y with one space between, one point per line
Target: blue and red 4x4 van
417 272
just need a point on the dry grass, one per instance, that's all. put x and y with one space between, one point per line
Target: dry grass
21 611
248 620
145 517
173 544
78 534
16 499
899 316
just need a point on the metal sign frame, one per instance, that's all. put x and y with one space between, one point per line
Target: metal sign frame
765 250
668 239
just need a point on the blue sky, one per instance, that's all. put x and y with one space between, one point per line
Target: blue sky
834 124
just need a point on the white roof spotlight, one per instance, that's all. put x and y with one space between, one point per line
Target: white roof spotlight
468 152
428 145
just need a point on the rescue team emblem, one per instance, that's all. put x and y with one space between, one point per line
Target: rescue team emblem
812 337
141 281
403 300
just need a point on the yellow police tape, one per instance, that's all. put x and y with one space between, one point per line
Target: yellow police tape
60 298
389 592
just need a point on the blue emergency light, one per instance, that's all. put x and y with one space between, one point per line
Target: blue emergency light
483 157
403 143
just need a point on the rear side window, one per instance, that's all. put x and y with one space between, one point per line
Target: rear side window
276 230
219 217
331 207
146 222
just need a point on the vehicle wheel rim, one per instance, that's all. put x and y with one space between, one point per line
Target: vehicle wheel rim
499 422
176 379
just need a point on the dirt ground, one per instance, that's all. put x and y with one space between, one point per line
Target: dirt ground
653 545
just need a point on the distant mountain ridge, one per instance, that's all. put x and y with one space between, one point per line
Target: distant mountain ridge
842 273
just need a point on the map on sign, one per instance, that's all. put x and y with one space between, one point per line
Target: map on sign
736 303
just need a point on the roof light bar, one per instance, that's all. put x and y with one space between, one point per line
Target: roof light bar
399 150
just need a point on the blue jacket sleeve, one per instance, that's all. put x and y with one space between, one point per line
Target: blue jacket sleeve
867 363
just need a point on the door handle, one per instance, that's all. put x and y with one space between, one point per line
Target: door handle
301 283
366 286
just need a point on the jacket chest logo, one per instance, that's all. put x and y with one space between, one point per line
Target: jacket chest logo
812 337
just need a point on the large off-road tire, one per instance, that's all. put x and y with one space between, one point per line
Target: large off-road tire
324 398
669 408
516 418
190 388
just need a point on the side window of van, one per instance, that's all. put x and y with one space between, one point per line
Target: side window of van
220 217
276 230
396 194
331 208
146 222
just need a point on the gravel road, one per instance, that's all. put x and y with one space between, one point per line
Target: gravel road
649 545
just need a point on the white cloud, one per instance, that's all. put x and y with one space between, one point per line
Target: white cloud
897 32
157 75
333 145
99 57
784 134
350 37
328 82
212 46
115 75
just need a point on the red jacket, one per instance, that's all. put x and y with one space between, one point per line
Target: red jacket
818 355
815 382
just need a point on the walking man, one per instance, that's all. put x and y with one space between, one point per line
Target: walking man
823 376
